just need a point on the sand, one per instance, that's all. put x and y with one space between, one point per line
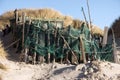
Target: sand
56 71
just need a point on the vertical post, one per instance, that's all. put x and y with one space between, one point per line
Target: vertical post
89 15
15 27
115 52
105 36
27 48
114 48
23 20
48 57
28 27
23 26
55 35
67 60
82 50
90 25
48 36
16 15
26 55
34 56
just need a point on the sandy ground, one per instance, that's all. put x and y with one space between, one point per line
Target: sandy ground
97 70
89 71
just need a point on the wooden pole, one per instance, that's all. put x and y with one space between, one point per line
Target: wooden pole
34 56
105 36
26 55
66 55
82 50
48 57
23 26
61 59
23 20
48 35
15 27
89 26
115 53
114 47
85 17
68 62
89 15
41 57
55 35
28 27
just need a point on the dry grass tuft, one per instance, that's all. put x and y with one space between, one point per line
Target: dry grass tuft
37 13
3 23
77 23
96 30
2 52
3 67
2 58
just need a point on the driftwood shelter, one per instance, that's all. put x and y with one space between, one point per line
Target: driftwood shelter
57 39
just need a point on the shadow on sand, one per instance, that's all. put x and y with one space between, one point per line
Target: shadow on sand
61 70
6 41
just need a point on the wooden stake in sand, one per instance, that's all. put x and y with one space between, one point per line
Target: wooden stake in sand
48 35
82 50
105 36
55 35
23 20
115 52
114 48
15 27
16 15
35 54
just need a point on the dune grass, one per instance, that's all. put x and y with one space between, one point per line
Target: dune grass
2 58
3 67
45 14
37 13
2 51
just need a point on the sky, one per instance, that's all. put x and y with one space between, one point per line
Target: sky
103 12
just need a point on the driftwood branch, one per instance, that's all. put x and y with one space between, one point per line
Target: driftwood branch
12 44
69 48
